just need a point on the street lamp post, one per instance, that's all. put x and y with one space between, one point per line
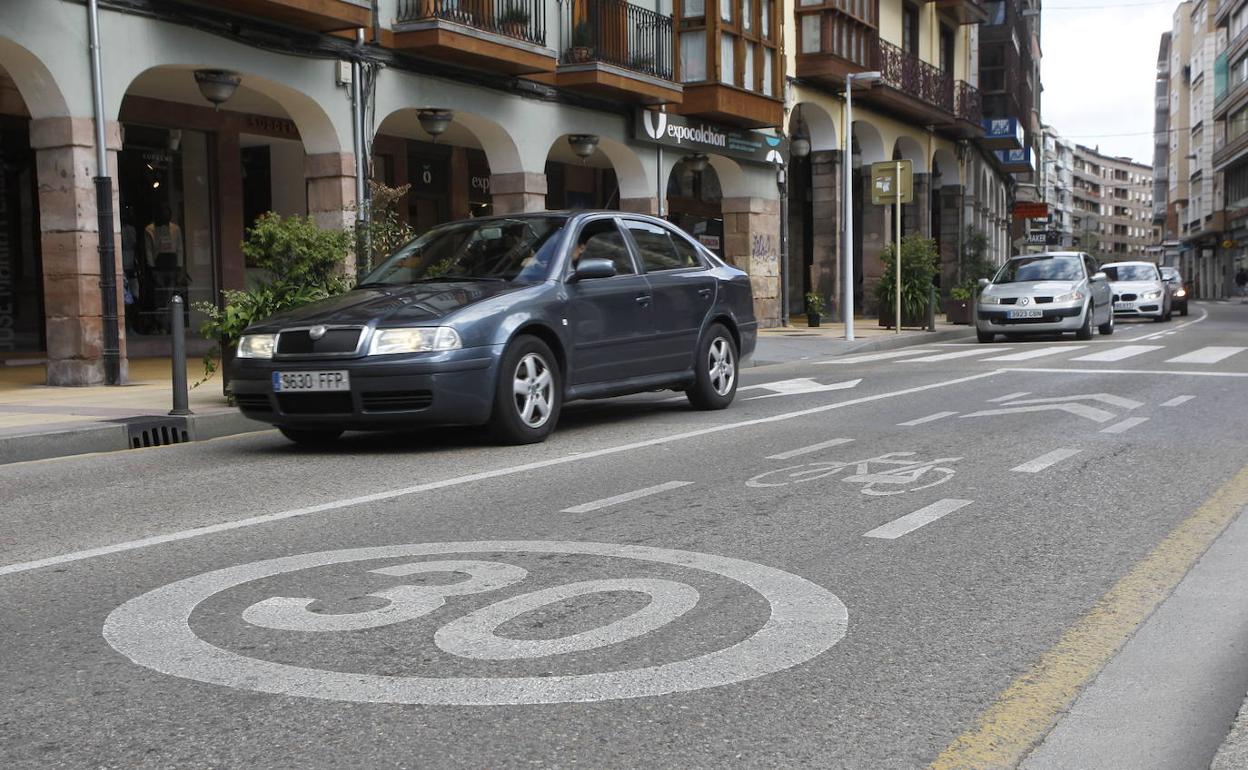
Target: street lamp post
847 274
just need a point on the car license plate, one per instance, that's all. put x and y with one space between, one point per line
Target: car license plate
1124 306
289 382
1024 314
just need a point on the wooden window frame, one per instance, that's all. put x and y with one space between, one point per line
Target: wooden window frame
714 27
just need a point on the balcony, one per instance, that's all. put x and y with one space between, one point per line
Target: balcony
732 105
618 51
501 36
965 11
314 15
1226 153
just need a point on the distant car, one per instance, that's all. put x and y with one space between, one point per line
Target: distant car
1139 290
502 320
1045 294
1178 289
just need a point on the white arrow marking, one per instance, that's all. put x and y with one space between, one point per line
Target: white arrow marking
1082 410
797 387
1104 398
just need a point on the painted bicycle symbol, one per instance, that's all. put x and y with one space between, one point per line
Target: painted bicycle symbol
894 473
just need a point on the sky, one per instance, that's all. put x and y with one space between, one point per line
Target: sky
1099 69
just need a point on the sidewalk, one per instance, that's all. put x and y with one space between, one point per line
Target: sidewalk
38 422
1234 752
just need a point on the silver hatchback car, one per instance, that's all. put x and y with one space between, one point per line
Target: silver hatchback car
1050 293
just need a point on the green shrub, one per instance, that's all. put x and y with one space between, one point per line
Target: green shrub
814 303
919 257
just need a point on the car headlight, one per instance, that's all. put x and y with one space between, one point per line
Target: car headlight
984 299
1150 295
1073 296
419 340
1181 293
257 345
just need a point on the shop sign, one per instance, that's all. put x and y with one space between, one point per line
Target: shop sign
1003 129
709 241
1044 238
427 175
478 177
1029 210
270 126
692 136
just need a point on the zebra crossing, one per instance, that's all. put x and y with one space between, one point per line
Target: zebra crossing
1007 354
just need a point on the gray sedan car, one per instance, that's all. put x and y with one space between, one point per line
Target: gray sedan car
502 320
1050 293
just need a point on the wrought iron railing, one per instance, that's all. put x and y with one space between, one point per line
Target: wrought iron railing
911 75
520 19
617 32
970 105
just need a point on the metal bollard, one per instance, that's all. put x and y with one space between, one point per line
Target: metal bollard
177 329
931 307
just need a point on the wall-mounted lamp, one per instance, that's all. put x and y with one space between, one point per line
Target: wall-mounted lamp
583 145
697 162
217 86
435 121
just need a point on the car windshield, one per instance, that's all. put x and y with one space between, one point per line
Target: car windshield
1171 275
1040 269
516 250
1131 272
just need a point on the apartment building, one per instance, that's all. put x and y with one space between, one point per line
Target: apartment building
1230 157
1112 215
1059 188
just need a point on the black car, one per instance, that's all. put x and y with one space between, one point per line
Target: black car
501 320
1178 289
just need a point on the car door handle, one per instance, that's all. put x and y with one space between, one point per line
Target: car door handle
643 299
704 293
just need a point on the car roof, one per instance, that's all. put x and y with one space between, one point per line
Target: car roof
1048 254
1131 262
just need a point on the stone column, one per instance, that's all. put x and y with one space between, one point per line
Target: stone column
640 205
331 189
752 243
874 231
69 243
518 192
951 235
918 213
825 242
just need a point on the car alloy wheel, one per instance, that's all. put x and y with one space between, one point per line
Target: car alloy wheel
721 366
532 386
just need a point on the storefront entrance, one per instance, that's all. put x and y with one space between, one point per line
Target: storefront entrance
21 270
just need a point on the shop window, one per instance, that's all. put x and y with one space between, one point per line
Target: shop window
21 269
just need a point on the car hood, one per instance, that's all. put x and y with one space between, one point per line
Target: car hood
392 306
1136 286
1029 288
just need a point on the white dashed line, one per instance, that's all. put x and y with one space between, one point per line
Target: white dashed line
1177 400
1046 460
1118 354
809 449
1209 355
606 502
1125 425
922 517
929 418
1009 396
951 356
879 356
1027 355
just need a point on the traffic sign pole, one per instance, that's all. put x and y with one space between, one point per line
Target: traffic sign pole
897 249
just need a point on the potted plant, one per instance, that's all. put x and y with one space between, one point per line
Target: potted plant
958 306
514 19
814 309
919 257
582 43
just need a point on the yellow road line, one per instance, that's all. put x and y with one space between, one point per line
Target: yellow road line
1027 710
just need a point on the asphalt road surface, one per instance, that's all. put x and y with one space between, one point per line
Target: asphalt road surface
891 560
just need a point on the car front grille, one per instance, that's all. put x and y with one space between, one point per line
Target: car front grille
1009 300
1125 297
1043 300
299 342
315 403
396 401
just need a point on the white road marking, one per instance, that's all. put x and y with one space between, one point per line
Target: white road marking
636 494
227 526
1125 425
862 359
803 620
1080 410
1027 355
922 517
1104 398
1209 355
1009 396
929 418
1203 315
1176 372
797 387
955 354
1177 400
809 449
1046 460
1118 354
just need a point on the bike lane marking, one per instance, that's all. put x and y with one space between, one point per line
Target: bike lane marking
1178 400
920 518
1125 425
929 418
809 449
636 494
1046 460
1009 396
375 497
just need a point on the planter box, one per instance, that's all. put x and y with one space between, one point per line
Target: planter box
958 311
887 319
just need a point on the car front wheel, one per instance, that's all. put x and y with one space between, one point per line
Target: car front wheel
529 394
1107 328
715 370
1085 331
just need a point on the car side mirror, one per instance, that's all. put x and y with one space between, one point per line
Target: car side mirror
983 283
1100 276
593 268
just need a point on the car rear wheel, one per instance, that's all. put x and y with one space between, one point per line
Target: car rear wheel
529 395
1107 328
312 436
1085 331
715 370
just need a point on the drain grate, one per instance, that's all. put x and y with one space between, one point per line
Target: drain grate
144 432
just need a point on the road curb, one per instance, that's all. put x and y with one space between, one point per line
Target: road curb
1233 753
116 435
896 342
827 347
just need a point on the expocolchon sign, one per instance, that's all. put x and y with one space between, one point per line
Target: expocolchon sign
681 133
